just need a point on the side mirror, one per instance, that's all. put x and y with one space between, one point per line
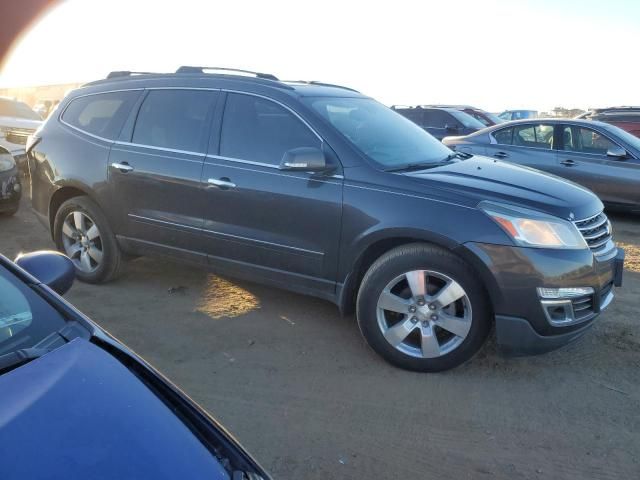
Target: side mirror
51 268
451 128
617 152
305 159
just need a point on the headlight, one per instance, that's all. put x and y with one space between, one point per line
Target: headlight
533 229
6 162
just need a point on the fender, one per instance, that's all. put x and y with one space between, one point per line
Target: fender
371 245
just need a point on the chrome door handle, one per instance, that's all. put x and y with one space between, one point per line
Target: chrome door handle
123 167
501 155
222 183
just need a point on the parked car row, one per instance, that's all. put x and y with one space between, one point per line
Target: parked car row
324 191
590 150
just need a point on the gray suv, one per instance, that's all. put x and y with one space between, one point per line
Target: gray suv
321 190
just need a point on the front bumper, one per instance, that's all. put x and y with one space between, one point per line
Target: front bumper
10 190
513 275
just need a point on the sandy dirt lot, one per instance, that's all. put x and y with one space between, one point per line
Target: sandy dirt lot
301 390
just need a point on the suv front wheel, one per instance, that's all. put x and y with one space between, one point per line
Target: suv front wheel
81 232
422 308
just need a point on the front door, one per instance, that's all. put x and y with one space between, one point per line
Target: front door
154 175
261 221
584 160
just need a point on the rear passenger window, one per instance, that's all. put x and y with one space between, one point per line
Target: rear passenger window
175 119
533 136
257 129
504 136
102 114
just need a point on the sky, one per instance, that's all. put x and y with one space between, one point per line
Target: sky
494 54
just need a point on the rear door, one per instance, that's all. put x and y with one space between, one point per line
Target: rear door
528 144
155 170
583 159
259 221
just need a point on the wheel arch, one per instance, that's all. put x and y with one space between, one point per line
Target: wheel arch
61 195
384 241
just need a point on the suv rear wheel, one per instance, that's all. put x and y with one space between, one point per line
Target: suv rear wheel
422 308
82 232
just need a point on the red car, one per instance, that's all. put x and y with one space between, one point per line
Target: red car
626 118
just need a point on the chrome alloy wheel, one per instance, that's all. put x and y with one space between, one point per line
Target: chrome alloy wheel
82 242
424 314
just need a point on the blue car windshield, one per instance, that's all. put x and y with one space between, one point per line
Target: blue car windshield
25 317
381 134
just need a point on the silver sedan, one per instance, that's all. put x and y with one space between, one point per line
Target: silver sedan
599 156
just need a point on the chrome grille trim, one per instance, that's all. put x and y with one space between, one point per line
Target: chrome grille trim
596 231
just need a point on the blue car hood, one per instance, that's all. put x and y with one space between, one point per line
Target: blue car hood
79 413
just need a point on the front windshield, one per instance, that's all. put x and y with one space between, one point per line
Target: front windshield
25 317
381 134
10 108
467 120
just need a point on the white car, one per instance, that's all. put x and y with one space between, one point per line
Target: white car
17 122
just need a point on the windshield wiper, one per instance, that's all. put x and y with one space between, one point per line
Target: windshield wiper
412 166
18 358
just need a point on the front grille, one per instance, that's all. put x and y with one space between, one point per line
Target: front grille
596 231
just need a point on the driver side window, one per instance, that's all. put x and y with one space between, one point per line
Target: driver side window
585 140
257 129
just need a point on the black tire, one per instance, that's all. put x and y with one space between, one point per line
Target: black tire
112 261
420 256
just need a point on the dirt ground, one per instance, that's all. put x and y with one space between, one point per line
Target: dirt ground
298 386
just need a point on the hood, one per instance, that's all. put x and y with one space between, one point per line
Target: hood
79 413
19 123
481 178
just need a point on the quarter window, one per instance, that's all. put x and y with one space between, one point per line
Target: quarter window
102 114
585 140
175 119
260 130
504 136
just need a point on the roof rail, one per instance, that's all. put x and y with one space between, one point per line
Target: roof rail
127 73
321 84
188 69
393 107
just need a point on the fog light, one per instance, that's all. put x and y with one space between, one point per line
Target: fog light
565 292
